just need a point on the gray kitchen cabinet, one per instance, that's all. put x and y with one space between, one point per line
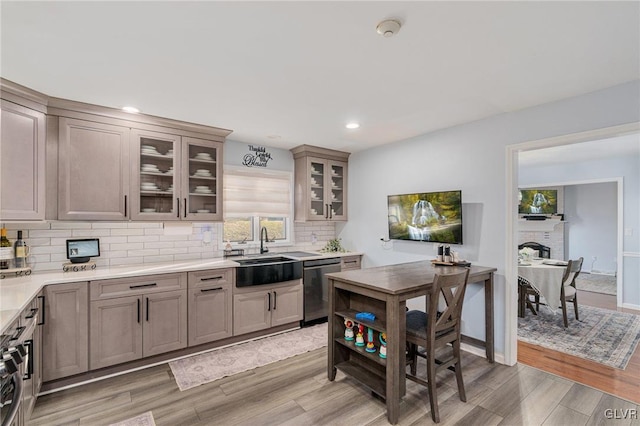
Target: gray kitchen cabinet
133 318
93 170
210 306
320 184
22 155
65 330
175 177
350 262
255 310
32 338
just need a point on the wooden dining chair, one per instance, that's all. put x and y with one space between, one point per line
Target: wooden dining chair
434 329
568 291
525 291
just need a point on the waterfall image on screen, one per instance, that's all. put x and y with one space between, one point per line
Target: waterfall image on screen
538 201
431 216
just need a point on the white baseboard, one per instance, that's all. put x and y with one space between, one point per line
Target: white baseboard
499 357
597 272
631 306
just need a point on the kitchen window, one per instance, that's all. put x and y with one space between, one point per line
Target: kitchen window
254 199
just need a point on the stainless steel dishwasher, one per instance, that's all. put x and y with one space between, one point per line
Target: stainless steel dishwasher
316 287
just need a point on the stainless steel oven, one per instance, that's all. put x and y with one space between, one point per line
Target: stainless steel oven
316 287
16 366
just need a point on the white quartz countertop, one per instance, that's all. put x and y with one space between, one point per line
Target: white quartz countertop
16 293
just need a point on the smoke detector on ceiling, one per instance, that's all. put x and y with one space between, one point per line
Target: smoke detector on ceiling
388 28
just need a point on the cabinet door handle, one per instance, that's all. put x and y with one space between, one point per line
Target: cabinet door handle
19 331
185 207
42 298
33 313
204 290
269 305
138 310
178 209
326 213
125 206
350 261
275 297
30 354
142 285
219 277
330 211
147 309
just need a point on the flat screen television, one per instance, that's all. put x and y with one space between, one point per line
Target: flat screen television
427 216
538 201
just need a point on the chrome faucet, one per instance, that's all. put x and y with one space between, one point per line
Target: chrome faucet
266 240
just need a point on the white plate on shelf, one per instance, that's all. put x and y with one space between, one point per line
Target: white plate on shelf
203 191
203 156
203 211
148 210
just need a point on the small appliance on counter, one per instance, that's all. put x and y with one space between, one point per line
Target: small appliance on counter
79 253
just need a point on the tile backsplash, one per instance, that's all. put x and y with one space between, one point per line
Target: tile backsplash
126 243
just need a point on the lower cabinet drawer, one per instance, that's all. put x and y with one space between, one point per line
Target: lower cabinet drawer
350 262
120 287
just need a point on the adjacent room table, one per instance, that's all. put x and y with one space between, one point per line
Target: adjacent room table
545 276
384 291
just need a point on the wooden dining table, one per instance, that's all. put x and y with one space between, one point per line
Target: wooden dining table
384 291
545 276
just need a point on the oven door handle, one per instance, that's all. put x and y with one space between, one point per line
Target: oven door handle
16 378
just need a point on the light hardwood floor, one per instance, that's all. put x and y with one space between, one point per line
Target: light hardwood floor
296 392
623 383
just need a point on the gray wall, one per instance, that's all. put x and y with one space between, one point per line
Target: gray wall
471 158
591 214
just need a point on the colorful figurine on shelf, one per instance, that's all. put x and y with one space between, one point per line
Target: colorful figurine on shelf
383 345
348 331
360 335
370 346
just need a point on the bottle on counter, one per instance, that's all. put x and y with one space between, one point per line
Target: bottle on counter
20 251
6 250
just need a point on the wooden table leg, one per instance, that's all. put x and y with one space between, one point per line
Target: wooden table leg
331 364
488 318
395 357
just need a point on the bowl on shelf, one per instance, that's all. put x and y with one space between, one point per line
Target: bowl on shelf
148 210
203 156
203 211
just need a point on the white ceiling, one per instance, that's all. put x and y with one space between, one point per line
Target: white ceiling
287 73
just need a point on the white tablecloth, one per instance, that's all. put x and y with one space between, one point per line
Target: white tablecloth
545 279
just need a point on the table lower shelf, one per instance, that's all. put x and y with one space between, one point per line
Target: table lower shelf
367 378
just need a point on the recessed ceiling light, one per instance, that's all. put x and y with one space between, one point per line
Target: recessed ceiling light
132 110
352 125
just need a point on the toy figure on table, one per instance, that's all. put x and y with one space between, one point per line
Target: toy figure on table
383 345
370 346
360 335
348 331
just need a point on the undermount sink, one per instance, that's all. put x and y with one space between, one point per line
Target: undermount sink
267 270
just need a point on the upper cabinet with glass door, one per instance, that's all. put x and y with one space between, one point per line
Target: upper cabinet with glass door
202 179
175 178
155 170
320 184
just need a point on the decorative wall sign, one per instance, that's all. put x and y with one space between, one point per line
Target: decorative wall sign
258 157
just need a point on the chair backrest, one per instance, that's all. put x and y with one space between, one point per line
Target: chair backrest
449 289
543 251
571 273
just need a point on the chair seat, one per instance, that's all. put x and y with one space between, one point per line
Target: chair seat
569 292
417 324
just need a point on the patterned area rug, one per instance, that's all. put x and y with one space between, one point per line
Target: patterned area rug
204 368
145 419
603 336
597 283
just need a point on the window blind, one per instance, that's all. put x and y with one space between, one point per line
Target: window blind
257 193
